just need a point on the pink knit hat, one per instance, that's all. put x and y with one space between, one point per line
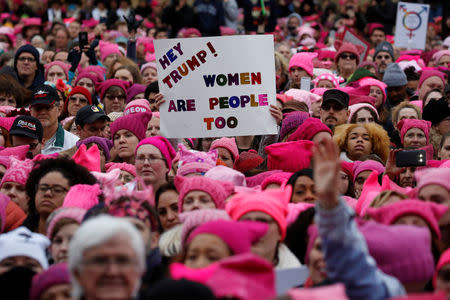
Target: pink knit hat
356 107
218 190
280 178
223 173
369 81
6 122
272 202
289 156
163 145
303 60
227 143
137 106
291 121
308 130
134 90
429 211
73 213
334 291
343 47
256 180
20 152
406 124
55 275
18 171
195 162
438 55
367 165
148 65
135 123
327 76
319 91
443 260
122 166
303 96
104 86
90 158
109 49
82 196
430 73
94 77
439 176
239 236
65 67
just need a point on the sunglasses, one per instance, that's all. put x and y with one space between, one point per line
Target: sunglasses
383 56
348 56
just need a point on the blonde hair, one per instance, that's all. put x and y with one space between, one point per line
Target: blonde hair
384 196
402 105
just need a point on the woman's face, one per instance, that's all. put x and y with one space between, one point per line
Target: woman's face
205 249
50 192
75 102
59 249
87 84
17 193
377 94
7 100
153 128
195 200
125 143
317 266
114 102
225 156
444 152
359 143
325 84
444 126
364 116
347 62
285 51
151 166
414 138
57 292
149 75
344 183
55 73
412 220
303 190
125 177
168 209
359 182
124 74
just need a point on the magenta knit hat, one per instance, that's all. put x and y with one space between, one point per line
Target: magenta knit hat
90 75
369 81
367 165
122 166
295 209
303 60
137 106
430 73
20 152
439 176
406 124
272 202
88 158
257 179
429 211
109 49
280 178
148 65
308 130
218 190
18 171
163 145
289 156
7 122
65 67
343 47
73 213
223 173
443 260
134 90
227 143
83 196
105 85
54 275
135 123
356 107
195 162
291 121
101 142
239 236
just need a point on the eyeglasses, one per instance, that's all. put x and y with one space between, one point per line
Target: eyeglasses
383 56
56 190
120 97
335 107
151 159
24 58
348 56
75 99
102 262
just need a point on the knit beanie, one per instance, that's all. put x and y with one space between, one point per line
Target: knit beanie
248 160
137 106
148 65
345 47
20 152
308 130
431 73
65 67
239 236
367 165
134 90
439 176
353 109
226 174
384 47
18 171
280 178
163 145
428 211
256 180
436 111
195 162
291 121
122 166
135 123
103 143
394 76
438 55
289 156
83 196
80 90
303 96
406 124
443 261
104 86
72 213
90 75
227 143
7 122
88 158
218 190
327 76
109 49
272 202
357 75
368 81
26 48
54 275
303 60
347 168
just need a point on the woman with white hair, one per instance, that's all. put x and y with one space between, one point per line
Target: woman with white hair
106 259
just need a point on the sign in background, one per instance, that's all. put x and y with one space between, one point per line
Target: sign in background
411 25
216 86
353 38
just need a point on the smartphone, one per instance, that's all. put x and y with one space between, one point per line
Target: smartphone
305 84
83 39
411 158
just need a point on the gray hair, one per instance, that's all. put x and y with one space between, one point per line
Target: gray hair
95 232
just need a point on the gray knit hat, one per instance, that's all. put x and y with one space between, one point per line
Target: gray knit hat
384 47
394 76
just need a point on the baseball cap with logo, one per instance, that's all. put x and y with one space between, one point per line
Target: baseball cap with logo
89 114
44 94
27 126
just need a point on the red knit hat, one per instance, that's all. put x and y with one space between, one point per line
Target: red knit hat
289 156
308 130
104 86
347 168
78 90
343 47
136 123
247 161
218 190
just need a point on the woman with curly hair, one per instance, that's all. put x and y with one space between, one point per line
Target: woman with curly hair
47 187
358 140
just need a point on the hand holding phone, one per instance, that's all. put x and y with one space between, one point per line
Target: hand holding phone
411 158
83 39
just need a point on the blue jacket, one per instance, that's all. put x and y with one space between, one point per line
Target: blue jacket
348 259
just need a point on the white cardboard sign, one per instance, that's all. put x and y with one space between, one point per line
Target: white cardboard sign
411 25
216 86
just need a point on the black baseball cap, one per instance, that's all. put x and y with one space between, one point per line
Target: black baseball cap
89 114
336 95
44 94
27 126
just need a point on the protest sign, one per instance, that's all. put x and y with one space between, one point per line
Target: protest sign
216 86
353 38
411 25
290 278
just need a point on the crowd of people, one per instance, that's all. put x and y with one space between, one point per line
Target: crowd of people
96 203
